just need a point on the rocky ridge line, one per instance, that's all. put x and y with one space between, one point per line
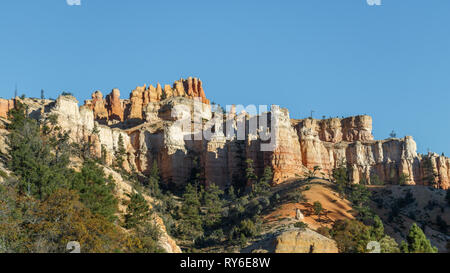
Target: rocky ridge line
301 144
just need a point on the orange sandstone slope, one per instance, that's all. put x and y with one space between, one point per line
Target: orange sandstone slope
318 190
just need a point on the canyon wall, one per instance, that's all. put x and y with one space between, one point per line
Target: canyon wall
300 145
150 124
330 142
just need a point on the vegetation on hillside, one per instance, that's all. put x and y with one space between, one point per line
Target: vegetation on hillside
46 203
353 236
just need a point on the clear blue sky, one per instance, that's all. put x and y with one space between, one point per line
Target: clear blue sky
338 58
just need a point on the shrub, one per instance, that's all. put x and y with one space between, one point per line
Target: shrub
145 239
243 240
324 231
389 245
301 225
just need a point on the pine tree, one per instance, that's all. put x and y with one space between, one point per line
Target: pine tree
393 134
417 242
138 211
250 172
121 152
377 229
267 175
231 193
430 174
312 173
195 175
317 207
40 161
340 175
213 203
191 220
104 154
95 191
359 195
263 186
17 116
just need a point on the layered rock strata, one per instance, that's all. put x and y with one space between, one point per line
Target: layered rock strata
181 148
113 109
304 241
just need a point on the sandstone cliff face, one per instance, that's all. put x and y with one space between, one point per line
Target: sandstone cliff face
81 126
5 106
114 105
286 158
335 130
441 166
299 145
3 141
304 241
296 147
331 142
79 122
163 139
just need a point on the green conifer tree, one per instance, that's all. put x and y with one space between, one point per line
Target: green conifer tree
430 175
377 229
317 207
417 242
191 220
138 211
340 176
153 181
250 172
121 152
213 203
96 191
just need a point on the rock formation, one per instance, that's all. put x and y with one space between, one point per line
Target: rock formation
98 105
299 215
5 106
297 145
114 105
304 241
113 109
137 103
